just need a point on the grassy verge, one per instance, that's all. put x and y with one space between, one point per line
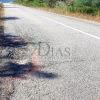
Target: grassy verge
1 17
1 24
83 12
75 14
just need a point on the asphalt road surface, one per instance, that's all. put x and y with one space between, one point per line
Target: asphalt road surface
48 56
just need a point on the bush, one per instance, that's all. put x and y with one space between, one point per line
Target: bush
96 3
85 6
51 3
35 4
1 4
91 3
60 4
85 9
19 1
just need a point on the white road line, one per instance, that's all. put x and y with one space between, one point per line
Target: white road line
69 27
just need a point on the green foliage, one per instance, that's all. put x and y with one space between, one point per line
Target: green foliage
96 3
83 6
91 3
82 2
31 2
51 3
19 1
85 9
61 4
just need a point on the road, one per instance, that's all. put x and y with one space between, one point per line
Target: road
47 56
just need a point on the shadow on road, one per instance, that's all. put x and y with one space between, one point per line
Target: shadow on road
15 69
13 41
10 18
42 74
10 71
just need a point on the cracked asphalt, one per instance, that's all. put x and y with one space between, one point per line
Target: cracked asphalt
47 56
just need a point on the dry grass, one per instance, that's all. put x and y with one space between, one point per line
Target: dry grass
77 15
64 12
1 18
1 25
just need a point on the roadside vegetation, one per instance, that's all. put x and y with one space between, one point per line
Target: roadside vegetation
1 24
1 16
88 8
